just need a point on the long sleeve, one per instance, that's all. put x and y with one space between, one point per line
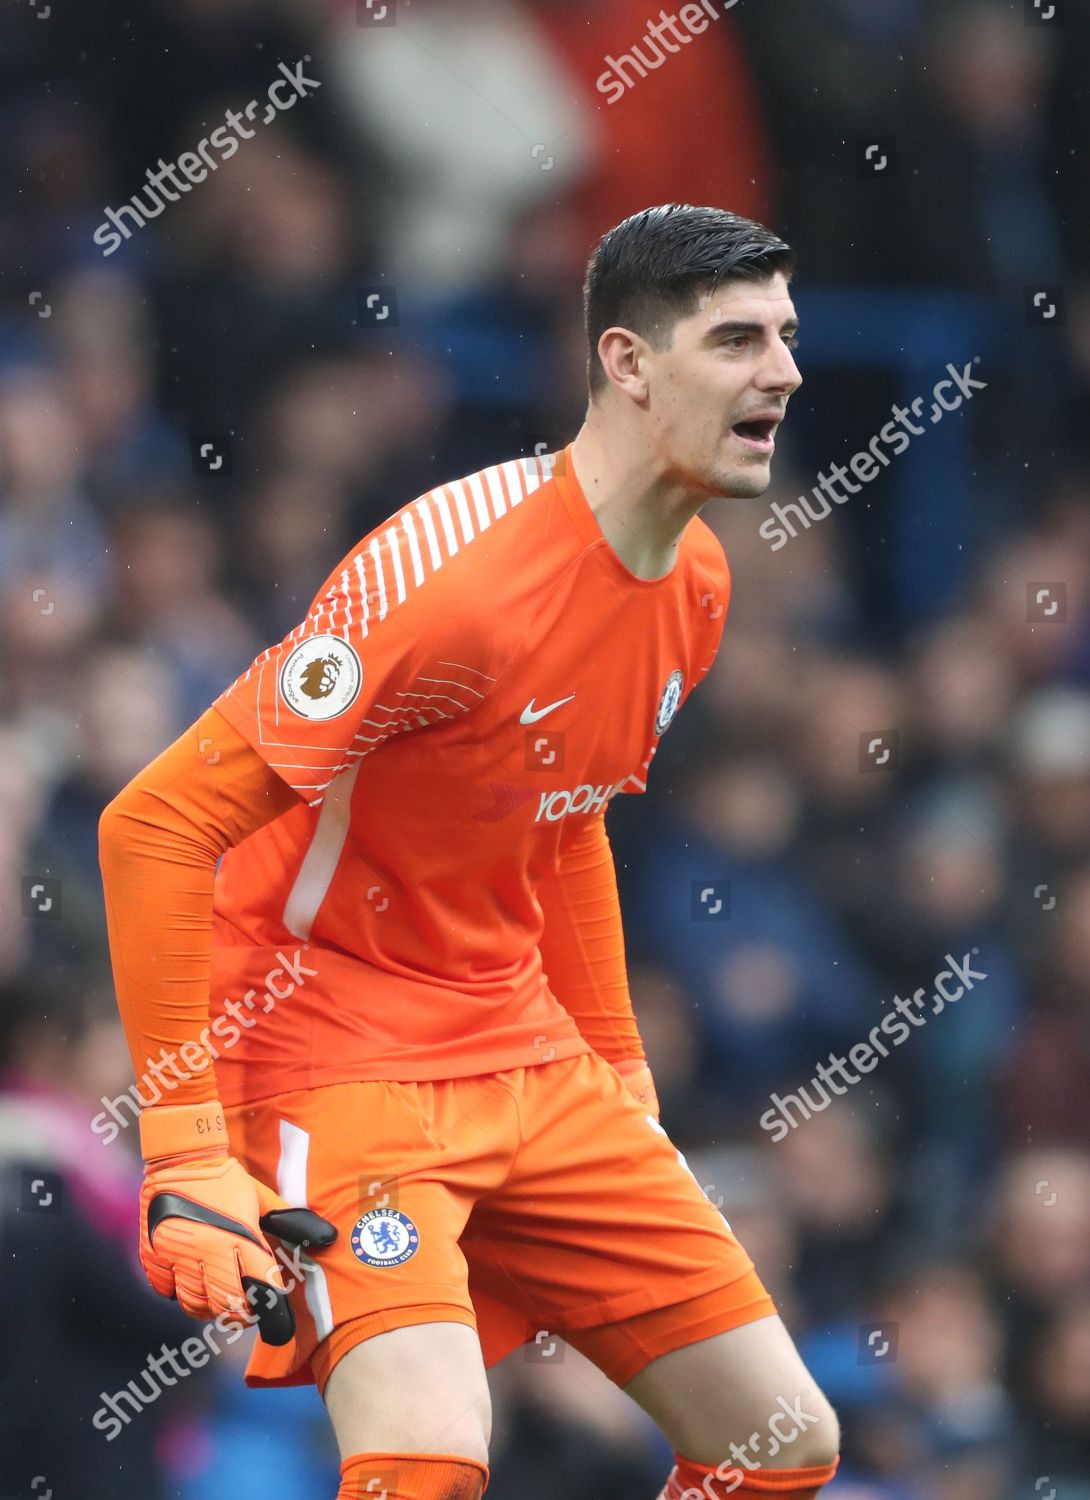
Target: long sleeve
159 842
582 947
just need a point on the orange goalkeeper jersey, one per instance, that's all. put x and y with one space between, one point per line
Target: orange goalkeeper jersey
473 684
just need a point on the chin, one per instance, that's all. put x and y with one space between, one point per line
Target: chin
743 484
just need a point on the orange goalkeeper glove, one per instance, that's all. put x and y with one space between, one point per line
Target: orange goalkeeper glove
640 1084
201 1222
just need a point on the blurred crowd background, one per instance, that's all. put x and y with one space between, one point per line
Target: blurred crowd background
927 1235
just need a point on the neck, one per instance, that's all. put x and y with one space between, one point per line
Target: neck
642 514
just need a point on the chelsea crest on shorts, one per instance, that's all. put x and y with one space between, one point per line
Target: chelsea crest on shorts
385 1237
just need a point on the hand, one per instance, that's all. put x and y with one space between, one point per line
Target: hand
203 1221
639 1082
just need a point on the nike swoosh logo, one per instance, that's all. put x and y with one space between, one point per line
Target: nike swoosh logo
174 1206
530 714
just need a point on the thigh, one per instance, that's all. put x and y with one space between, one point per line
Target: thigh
746 1389
412 1390
599 1221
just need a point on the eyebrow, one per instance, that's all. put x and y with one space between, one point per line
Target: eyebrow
733 327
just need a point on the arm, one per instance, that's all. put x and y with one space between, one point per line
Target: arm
303 712
202 1215
582 949
159 842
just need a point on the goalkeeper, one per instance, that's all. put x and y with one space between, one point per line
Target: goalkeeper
369 900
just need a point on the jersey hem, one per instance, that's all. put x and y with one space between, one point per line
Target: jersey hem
304 1078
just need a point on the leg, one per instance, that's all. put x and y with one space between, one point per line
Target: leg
411 1412
384 1322
603 1236
412 1390
742 1398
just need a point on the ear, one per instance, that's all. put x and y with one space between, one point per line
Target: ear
624 357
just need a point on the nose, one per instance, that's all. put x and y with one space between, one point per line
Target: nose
779 372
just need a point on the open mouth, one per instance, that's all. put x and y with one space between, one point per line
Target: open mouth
759 435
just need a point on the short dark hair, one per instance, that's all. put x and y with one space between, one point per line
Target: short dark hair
648 271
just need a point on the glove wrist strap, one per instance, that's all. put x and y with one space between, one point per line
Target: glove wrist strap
181 1129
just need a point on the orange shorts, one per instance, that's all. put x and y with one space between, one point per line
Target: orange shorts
533 1204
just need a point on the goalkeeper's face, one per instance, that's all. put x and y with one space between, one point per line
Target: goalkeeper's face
717 394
